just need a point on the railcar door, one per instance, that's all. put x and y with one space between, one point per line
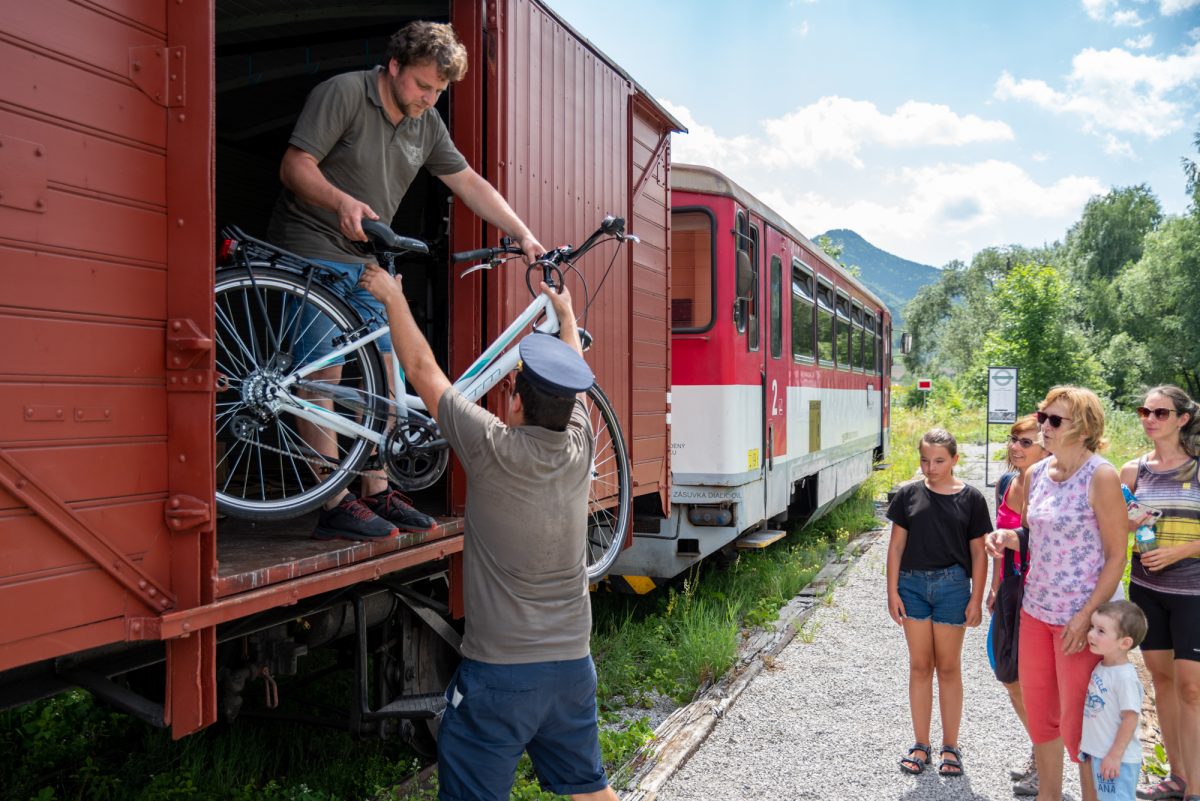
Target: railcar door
776 355
106 396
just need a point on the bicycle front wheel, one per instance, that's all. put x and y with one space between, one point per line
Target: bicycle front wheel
609 500
271 464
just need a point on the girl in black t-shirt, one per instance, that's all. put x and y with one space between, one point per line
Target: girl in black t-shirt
937 575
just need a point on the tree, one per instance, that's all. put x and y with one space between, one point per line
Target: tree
1108 236
1032 331
1191 172
1159 307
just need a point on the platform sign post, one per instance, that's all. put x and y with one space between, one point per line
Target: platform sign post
1001 407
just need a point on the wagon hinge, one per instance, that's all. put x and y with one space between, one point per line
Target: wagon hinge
158 72
66 522
187 347
184 512
653 166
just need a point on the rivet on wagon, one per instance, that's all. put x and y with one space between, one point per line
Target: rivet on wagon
137 66
182 458
182 117
152 592
135 625
38 151
186 626
179 222
108 412
20 483
173 379
179 54
178 98
176 523
174 77
174 503
176 325
58 412
164 603
176 360
29 412
41 204
142 584
185 379
158 97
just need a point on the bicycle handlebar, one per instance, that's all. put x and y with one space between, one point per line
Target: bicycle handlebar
609 226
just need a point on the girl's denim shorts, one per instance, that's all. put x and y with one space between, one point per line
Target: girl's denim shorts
941 595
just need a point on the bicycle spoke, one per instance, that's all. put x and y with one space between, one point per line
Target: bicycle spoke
225 322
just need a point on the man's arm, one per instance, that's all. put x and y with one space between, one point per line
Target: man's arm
411 348
568 331
301 173
483 199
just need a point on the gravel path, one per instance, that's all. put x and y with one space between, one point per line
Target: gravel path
829 719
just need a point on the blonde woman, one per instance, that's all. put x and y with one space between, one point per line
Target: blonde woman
1075 515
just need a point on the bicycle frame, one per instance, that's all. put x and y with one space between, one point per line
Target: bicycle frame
497 361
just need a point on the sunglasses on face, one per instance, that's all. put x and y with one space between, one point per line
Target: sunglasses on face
1024 442
1159 414
1056 420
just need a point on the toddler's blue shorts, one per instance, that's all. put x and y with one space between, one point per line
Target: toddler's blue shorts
1122 788
495 712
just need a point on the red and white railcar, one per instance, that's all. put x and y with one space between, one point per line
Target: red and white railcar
780 367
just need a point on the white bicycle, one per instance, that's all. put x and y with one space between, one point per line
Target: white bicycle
281 320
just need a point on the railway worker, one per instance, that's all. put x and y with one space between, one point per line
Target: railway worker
1075 517
526 682
356 147
936 576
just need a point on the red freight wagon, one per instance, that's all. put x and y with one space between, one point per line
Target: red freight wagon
129 133
780 374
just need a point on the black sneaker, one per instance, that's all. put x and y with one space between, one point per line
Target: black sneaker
395 507
352 520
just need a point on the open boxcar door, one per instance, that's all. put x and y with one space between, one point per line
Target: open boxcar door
106 378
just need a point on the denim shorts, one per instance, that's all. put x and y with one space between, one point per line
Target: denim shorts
316 332
496 712
938 594
1119 789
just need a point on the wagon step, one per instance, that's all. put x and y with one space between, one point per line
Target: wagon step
426 705
760 539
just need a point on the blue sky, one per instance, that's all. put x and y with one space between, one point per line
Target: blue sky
933 128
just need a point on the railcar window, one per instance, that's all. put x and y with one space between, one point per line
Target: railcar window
825 323
752 305
869 345
844 331
803 311
856 342
741 244
776 302
692 262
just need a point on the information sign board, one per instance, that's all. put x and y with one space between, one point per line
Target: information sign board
1002 395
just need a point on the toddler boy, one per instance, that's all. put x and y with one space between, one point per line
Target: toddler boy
1114 699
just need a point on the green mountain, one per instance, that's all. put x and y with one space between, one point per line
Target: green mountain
893 279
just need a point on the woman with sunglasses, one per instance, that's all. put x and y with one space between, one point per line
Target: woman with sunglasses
1075 517
1003 600
1165 581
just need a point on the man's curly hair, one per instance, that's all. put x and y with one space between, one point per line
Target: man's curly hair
423 42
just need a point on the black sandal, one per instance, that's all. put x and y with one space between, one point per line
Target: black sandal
910 764
951 766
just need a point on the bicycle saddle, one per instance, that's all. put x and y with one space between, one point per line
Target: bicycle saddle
382 237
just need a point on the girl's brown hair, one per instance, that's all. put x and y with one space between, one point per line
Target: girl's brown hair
941 438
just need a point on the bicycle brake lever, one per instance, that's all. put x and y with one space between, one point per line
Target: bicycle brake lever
487 265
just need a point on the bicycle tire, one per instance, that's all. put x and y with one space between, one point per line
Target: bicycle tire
265 468
610 495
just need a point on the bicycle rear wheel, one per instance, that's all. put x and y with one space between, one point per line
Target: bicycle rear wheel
609 500
270 464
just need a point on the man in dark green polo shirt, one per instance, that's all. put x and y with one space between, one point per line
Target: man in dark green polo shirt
358 144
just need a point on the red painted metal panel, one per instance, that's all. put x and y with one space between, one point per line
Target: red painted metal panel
191 665
89 349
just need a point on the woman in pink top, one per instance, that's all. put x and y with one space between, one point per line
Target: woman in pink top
1075 516
1024 451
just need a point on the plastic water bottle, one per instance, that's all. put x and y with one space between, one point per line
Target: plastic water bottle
1146 539
1128 493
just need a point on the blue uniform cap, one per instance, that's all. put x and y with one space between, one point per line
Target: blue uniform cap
553 366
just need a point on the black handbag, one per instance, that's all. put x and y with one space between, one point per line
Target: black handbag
1006 614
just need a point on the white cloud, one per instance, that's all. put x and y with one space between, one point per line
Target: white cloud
1169 7
1118 148
1098 9
801 30
927 212
942 212
1127 19
1115 90
1141 43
